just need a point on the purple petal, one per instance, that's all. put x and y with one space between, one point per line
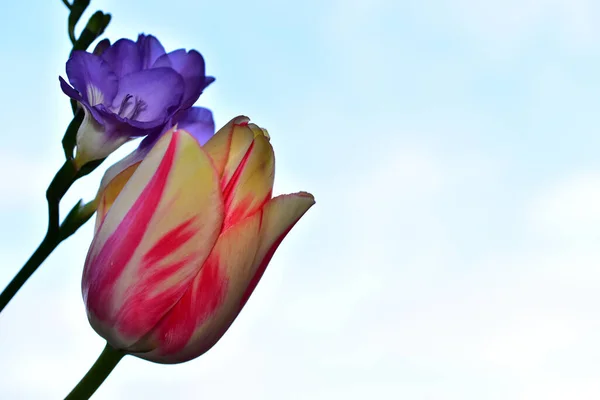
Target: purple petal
198 121
150 50
159 90
123 57
92 78
69 91
115 122
191 66
74 94
208 80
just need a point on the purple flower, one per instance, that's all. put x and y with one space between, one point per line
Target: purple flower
134 89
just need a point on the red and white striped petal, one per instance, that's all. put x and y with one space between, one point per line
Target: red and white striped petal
241 141
218 146
251 185
237 263
211 303
153 240
116 177
109 191
280 215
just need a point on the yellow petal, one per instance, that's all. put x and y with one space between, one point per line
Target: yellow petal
212 302
118 173
252 184
154 239
218 146
258 131
110 191
239 258
280 215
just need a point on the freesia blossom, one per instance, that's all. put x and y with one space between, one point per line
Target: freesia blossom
131 89
182 239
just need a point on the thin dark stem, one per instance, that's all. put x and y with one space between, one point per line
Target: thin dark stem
108 360
64 178
37 258
62 181
67 4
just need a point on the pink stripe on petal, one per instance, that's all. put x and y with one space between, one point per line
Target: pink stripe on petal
102 270
183 231
198 303
229 186
252 183
159 276
206 311
110 190
262 267
280 215
242 208
171 241
144 308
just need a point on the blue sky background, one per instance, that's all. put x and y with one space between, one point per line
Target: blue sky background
452 147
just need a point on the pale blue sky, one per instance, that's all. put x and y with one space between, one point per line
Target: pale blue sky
452 147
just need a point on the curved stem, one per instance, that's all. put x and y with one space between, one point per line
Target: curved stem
62 181
36 259
108 360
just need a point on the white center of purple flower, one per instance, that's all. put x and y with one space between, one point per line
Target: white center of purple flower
94 95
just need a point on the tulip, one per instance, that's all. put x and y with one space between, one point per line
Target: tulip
182 239
131 89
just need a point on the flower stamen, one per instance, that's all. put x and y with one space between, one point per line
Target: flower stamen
138 107
124 104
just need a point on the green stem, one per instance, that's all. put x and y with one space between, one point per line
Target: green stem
37 258
108 360
62 181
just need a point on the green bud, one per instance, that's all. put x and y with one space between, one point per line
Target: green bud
94 28
77 9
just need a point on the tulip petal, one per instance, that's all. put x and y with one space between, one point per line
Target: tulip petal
109 191
241 141
239 260
153 240
218 147
135 157
251 185
280 215
211 303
